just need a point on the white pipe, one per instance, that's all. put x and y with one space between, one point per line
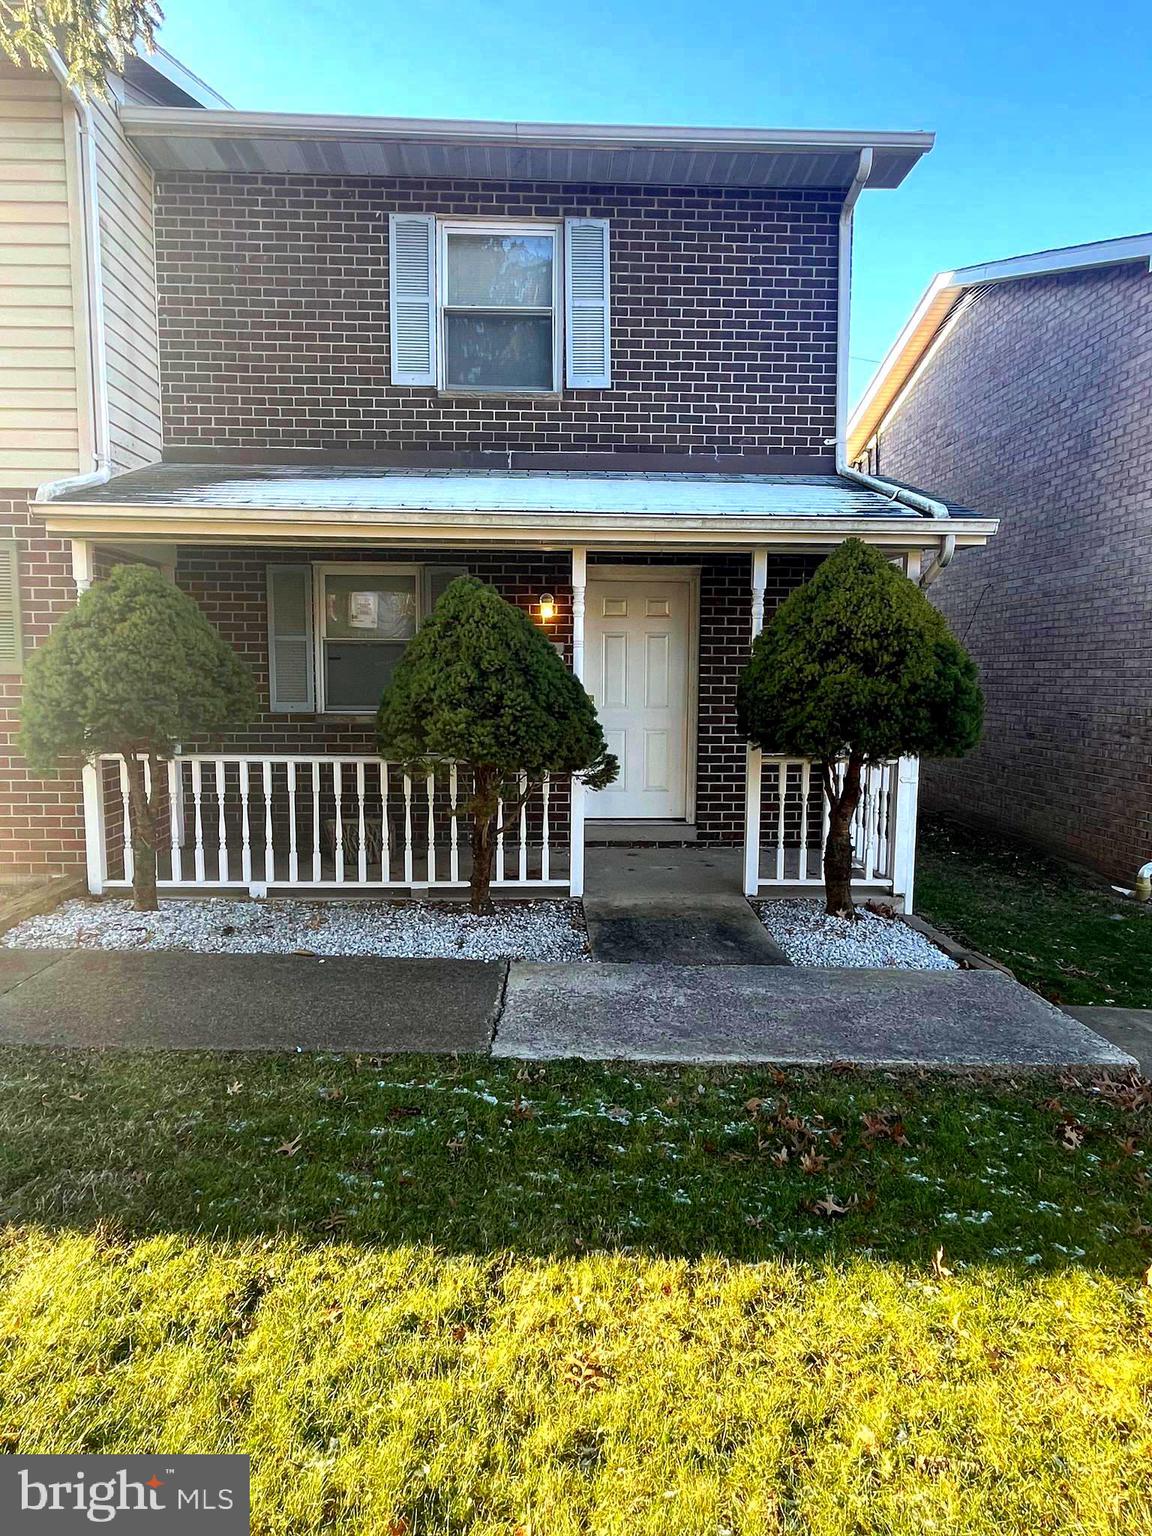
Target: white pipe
1144 882
914 499
100 444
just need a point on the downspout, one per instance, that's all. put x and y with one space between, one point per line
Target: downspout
922 504
100 443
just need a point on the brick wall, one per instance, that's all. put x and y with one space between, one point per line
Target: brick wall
41 827
274 319
1036 407
229 585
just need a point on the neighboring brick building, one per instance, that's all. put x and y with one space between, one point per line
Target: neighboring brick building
600 369
1023 390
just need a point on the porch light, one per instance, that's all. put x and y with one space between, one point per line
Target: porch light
547 607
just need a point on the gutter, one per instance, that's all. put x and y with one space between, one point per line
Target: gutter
925 505
100 433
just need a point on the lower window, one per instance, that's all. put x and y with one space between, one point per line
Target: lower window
366 619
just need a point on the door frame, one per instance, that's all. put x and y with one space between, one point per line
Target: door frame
690 574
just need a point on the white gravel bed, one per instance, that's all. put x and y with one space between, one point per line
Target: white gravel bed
808 936
534 930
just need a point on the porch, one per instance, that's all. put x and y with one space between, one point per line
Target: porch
652 588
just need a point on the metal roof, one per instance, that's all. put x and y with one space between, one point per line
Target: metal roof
939 303
355 489
186 139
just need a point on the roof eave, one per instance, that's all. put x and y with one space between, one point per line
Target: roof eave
263 525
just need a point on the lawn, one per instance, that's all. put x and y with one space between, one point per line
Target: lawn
437 1298
1064 933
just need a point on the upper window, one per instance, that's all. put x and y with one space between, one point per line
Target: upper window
499 306
499 310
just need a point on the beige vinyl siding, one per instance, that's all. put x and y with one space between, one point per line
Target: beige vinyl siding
127 256
41 283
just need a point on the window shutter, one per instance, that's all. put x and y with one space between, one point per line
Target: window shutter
587 303
290 667
412 291
436 578
10 647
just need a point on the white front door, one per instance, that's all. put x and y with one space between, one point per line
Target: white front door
636 648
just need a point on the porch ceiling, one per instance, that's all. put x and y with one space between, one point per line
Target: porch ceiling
324 504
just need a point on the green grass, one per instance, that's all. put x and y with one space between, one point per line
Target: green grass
1064 933
434 1298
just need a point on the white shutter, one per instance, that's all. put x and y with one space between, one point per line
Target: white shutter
412 292
10 649
436 578
586 285
290 666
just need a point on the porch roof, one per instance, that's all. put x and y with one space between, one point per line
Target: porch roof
187 500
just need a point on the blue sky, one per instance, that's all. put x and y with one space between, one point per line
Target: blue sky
1041 110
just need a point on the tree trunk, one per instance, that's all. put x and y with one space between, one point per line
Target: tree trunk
838 848
142 809
485 799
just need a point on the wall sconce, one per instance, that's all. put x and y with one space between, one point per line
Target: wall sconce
547 607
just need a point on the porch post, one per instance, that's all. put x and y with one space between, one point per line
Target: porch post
576 812
754 764
904 849
83 564
94 845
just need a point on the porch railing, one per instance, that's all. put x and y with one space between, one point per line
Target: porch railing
787 826
239 821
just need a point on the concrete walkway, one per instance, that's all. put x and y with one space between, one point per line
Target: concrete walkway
797 1015
672 906
677 1013
178 1001
1128 1028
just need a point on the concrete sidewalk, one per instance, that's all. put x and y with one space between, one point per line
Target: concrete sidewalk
790 1015
179 1001
671 1013
1128 1028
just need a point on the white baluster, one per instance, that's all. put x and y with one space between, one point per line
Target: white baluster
198 818
126 801
293 859
245 828
338 790
781 797
430 791
522 784
175 791
361 828
221 824
805 793
385 839
498 877
407 830
454 831
545 829
269 855
317 857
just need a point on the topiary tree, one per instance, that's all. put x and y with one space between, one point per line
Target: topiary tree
856 665
482 685
134 669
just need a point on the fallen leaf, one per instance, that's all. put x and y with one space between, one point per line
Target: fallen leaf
830 1206
234 1088
813 1162
290 1148
1072 1135
939 1268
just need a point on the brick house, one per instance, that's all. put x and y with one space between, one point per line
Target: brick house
1023 390
312 367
